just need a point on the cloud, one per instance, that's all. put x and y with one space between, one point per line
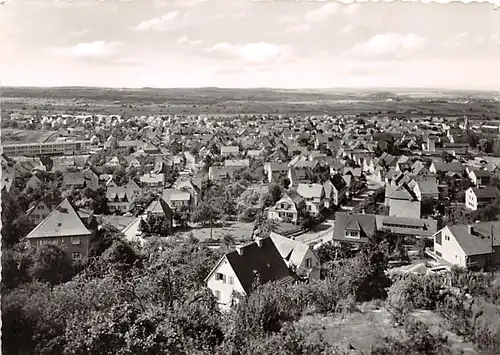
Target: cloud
182 40
322 14
352 9
251 52
304 23
158 24
185 40
388 44
346 29
82 32
91 50
303 27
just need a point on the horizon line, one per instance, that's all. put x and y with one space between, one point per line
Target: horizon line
358 88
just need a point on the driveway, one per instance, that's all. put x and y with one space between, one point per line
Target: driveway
318 234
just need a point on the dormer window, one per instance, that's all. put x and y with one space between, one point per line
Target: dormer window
352 234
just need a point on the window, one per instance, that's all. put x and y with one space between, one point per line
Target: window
352 234
217 294
75 255
309 262
75 240
438 238
40 207
230 280
220 277
446 238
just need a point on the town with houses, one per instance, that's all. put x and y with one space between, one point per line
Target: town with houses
429 180
272 191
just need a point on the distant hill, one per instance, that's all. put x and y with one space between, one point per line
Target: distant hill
254 94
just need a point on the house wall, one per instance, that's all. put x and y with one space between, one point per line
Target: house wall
402 208
470 200
302 268
39 213
225 289
118 206
449 249
74 244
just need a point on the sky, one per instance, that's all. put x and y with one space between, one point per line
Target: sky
244 43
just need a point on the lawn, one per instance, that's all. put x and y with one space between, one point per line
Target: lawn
242 232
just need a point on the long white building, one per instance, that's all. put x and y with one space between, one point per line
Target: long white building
60 148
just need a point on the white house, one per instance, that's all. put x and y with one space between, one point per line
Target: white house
314 195
298 256
476 197
237 272
469 246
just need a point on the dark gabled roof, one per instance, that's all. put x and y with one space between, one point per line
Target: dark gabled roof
486 192
264 261
365 223
480 173
338 182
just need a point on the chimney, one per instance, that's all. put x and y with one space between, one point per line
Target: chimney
239 249
258 240
470 229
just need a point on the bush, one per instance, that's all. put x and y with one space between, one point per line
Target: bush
414 292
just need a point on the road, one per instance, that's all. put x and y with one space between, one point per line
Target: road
319 234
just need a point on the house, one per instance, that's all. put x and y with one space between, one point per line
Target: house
314 196
176 198
301 171
355 228
73 179
237 272
63 227
216 173
91 179
275 171
39 210
320 142
227 151
479 177
237 163
190 187
287 209
335 190
152 180
477 197
468 246
159 207
407 227
495 172
424 187
404 203
33 183
298 256
439 167
118 199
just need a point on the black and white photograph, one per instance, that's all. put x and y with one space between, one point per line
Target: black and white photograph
244 177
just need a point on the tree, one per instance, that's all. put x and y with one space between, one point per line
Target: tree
51 264
15 222
157 225
182 215
285 183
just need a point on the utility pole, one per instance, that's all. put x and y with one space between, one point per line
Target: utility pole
492 252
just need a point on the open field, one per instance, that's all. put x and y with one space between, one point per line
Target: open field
215 101
26 136
364 329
